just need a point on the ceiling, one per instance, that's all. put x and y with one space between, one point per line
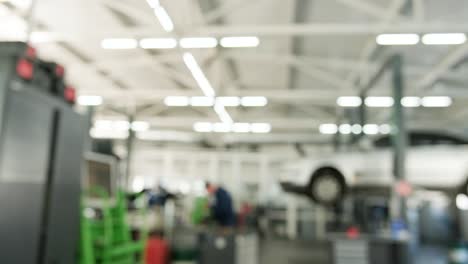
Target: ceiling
311 52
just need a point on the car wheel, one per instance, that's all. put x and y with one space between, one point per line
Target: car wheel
327 187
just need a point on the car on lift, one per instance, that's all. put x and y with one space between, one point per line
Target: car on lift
436 161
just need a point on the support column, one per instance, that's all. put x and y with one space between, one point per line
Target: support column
400 136
129 146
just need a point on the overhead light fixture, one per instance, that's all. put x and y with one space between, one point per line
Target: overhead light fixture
203 127
260 128
103 124
436 101
140 126
444 39
164 18
158 43
371 129
254 101
328 129
198 43
108 134
222 127
411 101
223 114
349 101
90 100
119 43
202 101
240 42
345 129
462 202
177 101
385 129
229 101
39 37
198 75
241 128
120 125
397 39
356 129
379 101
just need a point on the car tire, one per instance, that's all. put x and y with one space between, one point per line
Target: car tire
327 187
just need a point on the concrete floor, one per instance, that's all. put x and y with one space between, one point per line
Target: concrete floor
292 252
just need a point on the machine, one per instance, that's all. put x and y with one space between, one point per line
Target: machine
41 150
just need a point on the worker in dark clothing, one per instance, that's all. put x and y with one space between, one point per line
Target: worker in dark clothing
221 206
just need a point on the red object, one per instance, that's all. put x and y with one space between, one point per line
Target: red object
353 232
70 94
59 71
25 69
157 251
404 188
31 52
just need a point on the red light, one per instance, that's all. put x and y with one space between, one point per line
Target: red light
353 233
70 94
31 52
25 69
59 71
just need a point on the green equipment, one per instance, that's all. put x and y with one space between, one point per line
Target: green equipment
106 236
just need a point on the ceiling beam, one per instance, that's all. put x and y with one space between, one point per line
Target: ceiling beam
371 46
365 7
309 29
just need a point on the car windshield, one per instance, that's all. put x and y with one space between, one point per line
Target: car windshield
422 139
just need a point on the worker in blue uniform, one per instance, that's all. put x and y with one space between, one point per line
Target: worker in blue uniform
221 206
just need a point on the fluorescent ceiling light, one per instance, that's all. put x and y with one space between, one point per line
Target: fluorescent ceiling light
411 101
103 124
223 114
120 125
90 100
140 126
379 101
462 202
397 39
153 3
39 37
241 128
202 101
328 129
230 101
349 101
198 75
158 43
203 127
119 43
240 42
254 101
176 101
356 129
444 39
164 18
345 129
437 101
260 128
371 129
198 43
222 128
108 134
385 129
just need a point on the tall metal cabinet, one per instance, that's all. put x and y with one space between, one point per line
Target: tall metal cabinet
41 150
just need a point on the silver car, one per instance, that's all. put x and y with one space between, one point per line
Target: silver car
434 161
